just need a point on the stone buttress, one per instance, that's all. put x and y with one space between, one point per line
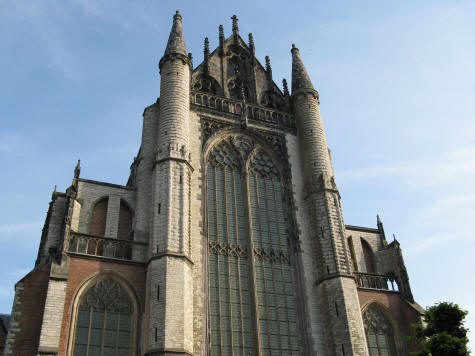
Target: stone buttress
169 314
336 287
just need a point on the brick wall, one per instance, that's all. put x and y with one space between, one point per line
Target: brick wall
27 313
81 269
402 312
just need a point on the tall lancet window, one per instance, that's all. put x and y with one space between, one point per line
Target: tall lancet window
250 284
278 331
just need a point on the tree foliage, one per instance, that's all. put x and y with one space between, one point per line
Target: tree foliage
443 333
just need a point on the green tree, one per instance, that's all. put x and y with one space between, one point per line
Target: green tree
444 333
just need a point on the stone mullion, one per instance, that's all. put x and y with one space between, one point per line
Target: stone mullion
217 259
117 333
227 258
103 330
258 214
272 263
252 279
236 231
89 330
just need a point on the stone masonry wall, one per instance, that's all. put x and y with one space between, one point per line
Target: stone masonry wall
90 192
315 328
197 238
52 317
55 224
401 314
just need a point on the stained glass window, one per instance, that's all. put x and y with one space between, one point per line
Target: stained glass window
379 333
233 315
104 321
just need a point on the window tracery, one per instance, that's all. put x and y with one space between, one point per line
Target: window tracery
379 332
104 321
243 238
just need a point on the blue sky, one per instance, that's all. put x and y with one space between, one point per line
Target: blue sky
397 90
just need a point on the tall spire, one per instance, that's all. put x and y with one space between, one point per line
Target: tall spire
176 41
300 78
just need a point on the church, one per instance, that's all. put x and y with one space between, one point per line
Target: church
227 239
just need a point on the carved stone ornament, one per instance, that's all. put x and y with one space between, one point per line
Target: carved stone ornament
209 127
227 249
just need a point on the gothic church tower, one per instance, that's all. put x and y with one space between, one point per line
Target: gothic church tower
228 238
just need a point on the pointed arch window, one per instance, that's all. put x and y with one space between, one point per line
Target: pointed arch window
104 323
250 282
124 231
368 257
99 217
379 332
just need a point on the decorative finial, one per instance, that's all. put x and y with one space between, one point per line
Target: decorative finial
286 87
177 16
268 67
251 43
382 235
55 186
206 49
221 40
190 56
395 241
77 169
293 47
235 25
221 31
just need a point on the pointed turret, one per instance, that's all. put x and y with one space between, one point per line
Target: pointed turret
333 270
176 41
300 78
170 208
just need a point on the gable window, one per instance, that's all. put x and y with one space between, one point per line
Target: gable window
250 282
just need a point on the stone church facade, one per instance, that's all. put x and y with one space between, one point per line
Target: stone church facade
228 238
